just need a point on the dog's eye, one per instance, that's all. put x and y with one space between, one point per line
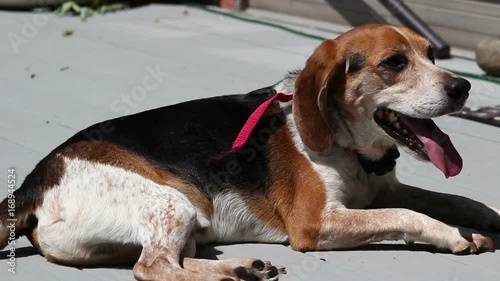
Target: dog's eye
396 62
430 54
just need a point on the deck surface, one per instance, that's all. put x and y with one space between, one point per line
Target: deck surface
52 86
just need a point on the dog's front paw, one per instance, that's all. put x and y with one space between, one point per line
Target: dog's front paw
471 243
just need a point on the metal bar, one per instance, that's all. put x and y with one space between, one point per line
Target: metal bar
241 5
413 21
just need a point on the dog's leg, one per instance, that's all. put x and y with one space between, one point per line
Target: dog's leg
245 269
451 209
165 225
346 228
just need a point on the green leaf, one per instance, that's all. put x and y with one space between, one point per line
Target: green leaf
68 32
70 8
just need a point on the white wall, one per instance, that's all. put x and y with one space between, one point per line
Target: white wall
461 23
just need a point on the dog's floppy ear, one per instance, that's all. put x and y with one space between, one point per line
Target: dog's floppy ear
323 75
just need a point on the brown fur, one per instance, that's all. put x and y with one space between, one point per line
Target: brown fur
32 232
296 190
265 211
54 171
312 91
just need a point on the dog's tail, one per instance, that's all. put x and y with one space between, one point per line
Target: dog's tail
17 211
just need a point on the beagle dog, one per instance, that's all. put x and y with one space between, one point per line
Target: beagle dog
315 171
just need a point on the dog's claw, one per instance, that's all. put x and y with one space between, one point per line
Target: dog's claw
281 269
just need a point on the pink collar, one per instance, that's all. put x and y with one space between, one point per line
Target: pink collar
352 150
254 118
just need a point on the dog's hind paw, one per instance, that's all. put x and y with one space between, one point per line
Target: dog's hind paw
260 271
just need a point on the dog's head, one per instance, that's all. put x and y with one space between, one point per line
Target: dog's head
376 86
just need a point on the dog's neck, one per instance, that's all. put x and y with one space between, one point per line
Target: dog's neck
375 155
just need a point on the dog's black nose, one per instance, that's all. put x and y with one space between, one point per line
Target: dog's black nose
457 89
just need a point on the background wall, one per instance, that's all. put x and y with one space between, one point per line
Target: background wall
462 23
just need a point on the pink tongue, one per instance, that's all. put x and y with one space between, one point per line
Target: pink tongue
438 145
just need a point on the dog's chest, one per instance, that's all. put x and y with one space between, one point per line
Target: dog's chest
233 221
346 183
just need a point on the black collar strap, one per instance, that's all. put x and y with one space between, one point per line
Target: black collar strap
382 166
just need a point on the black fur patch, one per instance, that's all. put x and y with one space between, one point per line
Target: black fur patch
356 62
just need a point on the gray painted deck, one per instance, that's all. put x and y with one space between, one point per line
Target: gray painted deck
204 55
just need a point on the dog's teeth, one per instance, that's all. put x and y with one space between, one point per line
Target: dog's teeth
392 116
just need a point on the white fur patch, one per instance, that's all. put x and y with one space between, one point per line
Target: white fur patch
233 221
97 204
